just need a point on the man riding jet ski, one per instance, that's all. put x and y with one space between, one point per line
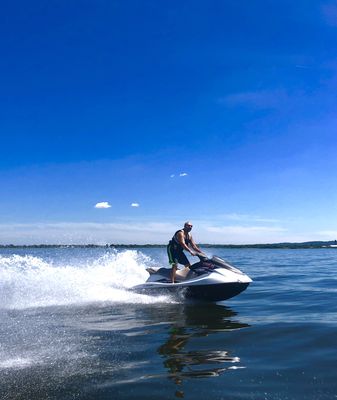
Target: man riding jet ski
210 279
181 241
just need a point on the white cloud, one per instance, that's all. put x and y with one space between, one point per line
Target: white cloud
103 204
181 174
134 204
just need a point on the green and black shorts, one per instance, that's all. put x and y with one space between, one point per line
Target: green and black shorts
176 254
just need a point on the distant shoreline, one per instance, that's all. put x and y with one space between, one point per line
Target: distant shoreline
305 245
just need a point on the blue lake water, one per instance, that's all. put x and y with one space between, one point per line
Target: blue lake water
71 329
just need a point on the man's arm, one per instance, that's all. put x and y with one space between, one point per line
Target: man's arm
194 246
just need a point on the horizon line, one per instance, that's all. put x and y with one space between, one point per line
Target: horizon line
312 242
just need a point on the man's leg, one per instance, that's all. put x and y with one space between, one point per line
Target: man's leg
172 261
173 272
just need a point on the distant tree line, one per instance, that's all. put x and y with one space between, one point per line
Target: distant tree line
303 245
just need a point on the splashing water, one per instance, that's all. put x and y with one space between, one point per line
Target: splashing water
30 281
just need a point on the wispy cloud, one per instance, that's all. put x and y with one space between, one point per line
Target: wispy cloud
238 234
263 99
135 205
248 218
182 174
329 12
141 232
329 235
244 229
283 100
86 232
103 204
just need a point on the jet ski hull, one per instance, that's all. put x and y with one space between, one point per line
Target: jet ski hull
219 292
212 292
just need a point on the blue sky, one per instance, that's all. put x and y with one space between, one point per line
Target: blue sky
219 112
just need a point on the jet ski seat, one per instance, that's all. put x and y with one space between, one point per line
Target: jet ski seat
181 274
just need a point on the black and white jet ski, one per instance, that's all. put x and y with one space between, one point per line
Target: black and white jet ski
210 279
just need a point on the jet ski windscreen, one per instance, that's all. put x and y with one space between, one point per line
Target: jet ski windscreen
219 262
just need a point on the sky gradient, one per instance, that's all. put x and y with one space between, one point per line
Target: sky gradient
218 112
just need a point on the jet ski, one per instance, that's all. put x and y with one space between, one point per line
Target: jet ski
210 279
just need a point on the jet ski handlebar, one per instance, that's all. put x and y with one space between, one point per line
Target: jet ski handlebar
201 256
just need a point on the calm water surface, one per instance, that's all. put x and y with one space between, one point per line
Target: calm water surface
71 329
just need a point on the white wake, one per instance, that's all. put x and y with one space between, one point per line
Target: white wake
29 281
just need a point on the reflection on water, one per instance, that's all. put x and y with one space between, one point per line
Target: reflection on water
182 356
191 337
95 349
